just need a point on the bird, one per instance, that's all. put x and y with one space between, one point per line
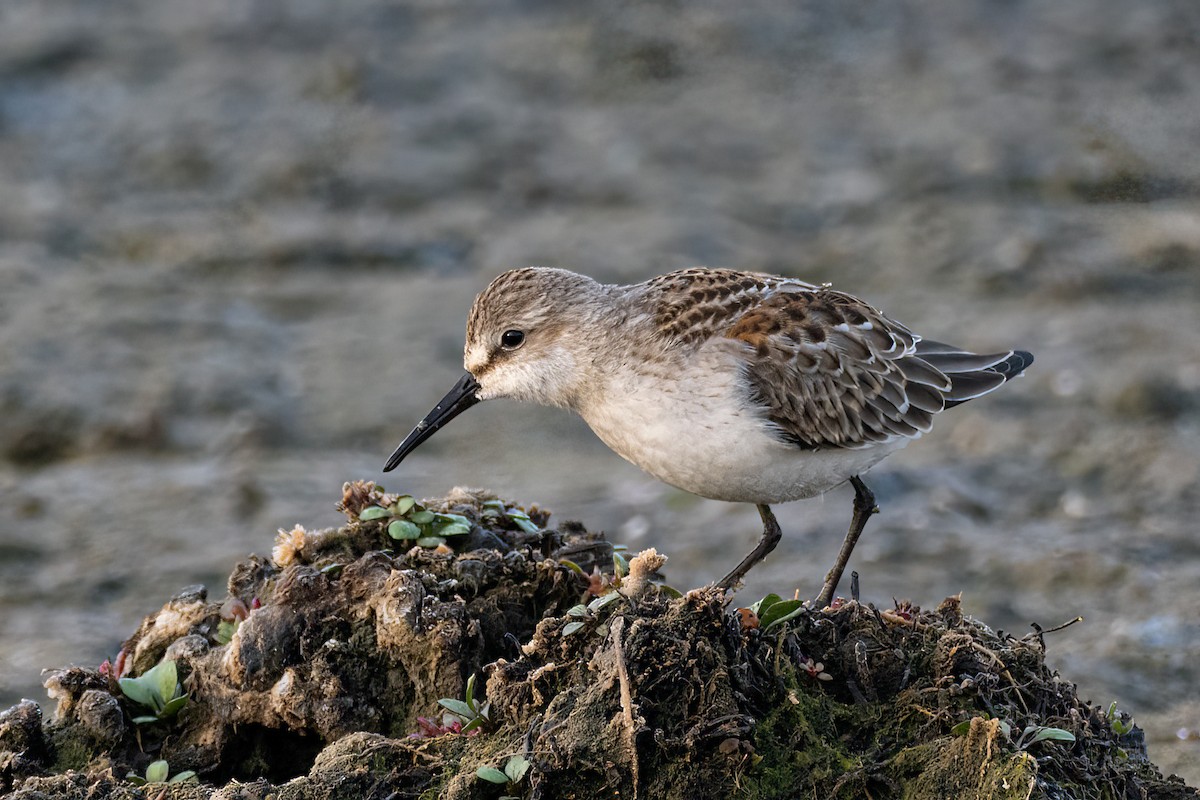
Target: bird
738 386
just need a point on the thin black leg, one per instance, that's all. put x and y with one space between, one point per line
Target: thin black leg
770 538
864 507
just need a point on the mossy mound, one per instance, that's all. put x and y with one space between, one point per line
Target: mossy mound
319 676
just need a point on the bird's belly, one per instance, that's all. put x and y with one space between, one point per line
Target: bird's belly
708 443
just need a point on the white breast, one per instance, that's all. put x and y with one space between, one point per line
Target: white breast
694 430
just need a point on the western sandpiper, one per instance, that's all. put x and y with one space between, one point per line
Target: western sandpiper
735 386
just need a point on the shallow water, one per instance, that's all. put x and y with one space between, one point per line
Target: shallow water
237 244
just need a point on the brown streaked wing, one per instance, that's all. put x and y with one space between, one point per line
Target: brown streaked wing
693 305
835 372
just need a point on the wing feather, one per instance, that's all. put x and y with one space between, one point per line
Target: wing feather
829 369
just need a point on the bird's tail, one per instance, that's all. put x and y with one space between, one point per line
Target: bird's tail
971 375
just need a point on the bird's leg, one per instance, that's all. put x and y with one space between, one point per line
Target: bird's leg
770 538
864 507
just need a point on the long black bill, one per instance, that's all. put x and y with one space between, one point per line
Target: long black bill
456 401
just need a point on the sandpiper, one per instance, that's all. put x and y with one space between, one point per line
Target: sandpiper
736 386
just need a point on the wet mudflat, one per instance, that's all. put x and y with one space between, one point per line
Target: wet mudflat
237 245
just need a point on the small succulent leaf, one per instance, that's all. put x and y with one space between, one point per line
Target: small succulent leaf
332 570
491 775
373 512
404 505
422 517
403 529
187 776
172 708
522 521
453 529
430 541
671 591
144 720
470 693
164 681
135 779
961 728
620 565
603 600
157 771
1053 734
571 627
458 707
571 565
516 768
137 691
780 612
578 610
473 724
1006 729
459 518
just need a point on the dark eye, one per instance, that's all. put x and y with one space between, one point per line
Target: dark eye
511 340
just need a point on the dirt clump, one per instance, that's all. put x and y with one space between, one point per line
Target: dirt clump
460 648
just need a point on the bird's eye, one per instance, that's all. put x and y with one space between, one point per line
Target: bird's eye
511 340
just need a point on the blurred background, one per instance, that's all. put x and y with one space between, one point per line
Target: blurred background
239 239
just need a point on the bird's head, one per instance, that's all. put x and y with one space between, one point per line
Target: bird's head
521 343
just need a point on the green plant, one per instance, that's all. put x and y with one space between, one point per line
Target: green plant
512 774
470 713
157 689
157 772
410 521
495 509
582 614
1039 733
1030 735
1116 720
773 610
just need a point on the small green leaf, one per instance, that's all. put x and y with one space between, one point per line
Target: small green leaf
603 600
671 591
172 708
779 613
430 541
571 565
403 505
579 610
138 691
1053 734
473 724
144 720
135 779
516 768
332 570
187 776
522 521
453 529
571 627
961 728
373 512
403 529
164 681
457 707
470 693
422 517
157 771
620 565
491 775
761 606
1006 729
